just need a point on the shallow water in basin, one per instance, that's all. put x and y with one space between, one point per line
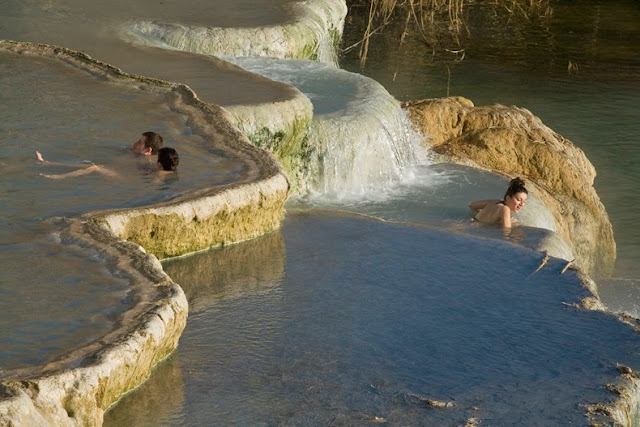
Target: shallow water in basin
75 117
255 350
337 319
510 60
54 297
72 118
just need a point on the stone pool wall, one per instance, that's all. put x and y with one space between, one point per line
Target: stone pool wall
313 32
78 387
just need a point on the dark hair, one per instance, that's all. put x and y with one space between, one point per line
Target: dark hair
153 140
515 186
168 158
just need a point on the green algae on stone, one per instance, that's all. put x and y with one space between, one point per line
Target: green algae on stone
291 147
171 235
280 128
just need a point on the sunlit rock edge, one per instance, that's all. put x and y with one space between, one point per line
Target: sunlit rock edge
60 394
513 142
314 32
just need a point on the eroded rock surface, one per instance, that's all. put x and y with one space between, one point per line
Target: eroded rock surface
514 142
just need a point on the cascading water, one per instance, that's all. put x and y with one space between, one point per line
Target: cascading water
364 143
290 29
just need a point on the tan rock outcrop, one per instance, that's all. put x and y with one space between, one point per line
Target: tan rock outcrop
514 142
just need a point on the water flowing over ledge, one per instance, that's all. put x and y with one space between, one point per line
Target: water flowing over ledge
314 32
360 142
161 221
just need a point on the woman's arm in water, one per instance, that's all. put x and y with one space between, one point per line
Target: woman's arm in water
66 165
82 169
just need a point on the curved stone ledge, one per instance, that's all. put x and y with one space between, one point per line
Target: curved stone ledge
313 33
262 186
78 387
514 142
624 407
177 228
280 127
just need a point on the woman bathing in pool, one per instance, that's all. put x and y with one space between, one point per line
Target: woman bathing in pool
499 211
168 160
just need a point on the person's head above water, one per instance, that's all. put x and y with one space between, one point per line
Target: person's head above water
148 144
516 195
494 211
168 159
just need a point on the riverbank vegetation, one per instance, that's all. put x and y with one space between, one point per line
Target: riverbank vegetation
441 25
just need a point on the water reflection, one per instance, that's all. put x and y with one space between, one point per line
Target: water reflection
238 276
235 271
366 321
161 395
524 62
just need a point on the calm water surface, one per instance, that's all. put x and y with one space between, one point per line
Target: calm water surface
525 63
335 320
346 320
71 118
339 320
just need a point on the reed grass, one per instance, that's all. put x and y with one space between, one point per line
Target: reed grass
439 23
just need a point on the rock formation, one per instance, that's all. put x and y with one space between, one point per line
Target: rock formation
78 387
514 142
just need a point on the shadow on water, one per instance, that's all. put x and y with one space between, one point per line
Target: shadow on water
340 319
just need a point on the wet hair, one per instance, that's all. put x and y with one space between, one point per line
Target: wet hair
168 158
515 186
153 140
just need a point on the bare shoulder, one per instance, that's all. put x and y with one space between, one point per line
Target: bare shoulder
481 204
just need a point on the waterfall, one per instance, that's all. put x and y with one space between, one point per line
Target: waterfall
364 143
312 30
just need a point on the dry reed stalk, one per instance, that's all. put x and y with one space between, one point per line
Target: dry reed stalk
434 19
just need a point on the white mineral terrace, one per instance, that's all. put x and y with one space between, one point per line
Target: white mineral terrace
474 309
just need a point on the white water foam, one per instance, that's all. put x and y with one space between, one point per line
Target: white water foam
307 29
365 144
